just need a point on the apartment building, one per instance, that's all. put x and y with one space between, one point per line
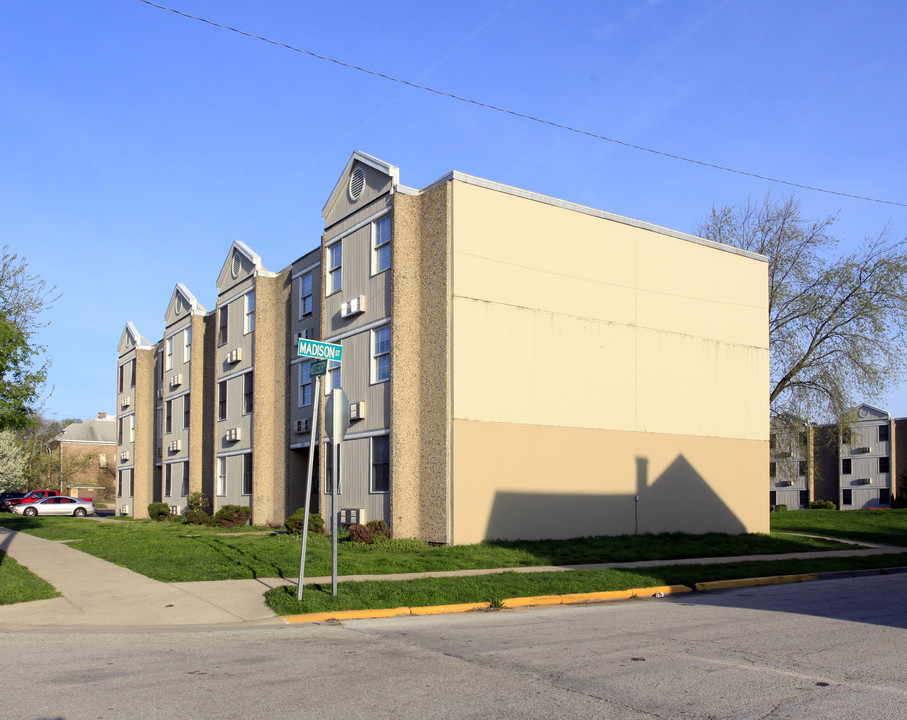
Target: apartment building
791 467
516 366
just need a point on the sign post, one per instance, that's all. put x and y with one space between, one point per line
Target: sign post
337 422
316 370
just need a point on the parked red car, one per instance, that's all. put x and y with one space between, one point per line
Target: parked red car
31 497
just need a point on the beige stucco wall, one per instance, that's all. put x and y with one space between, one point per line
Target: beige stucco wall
616 342
145 454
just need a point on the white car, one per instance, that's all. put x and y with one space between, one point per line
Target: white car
58 505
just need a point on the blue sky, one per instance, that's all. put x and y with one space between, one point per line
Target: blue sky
138 144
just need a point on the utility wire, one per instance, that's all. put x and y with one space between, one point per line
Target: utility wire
524 116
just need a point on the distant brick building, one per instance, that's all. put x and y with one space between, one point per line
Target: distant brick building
87 456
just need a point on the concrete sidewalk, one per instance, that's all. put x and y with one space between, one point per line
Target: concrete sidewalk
99 594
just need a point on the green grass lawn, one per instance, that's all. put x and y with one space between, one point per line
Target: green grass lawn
886 527
17 584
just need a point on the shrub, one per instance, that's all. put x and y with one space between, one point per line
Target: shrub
197 501
159 511
197 517
294 523
822 505
781 507
899 501
232 515
369 532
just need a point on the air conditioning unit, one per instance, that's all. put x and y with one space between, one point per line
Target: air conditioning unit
786 483
124 509
357 410
306 334
174 446
160 452
783 454
353 306
127 401
234 434
302 426
864 481
160 393
124 456
176 380
234 356
352 516
174 509
861 450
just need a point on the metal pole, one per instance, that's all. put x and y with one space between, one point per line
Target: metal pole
335 514
308 486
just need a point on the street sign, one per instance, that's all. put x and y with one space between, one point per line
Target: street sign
337 415
318 349
318 368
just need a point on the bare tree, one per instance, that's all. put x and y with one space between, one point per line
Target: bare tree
836 321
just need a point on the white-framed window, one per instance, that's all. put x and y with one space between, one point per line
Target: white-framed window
122 385
247 474
335 267
381 354
169 353
248 393
168 480
332 378
184 490
329 471
132 429
221 489
305 295
381 244
186 409
120 483
249 305
222 330
305 384
187 345
222 400
381 464
168 418
132 373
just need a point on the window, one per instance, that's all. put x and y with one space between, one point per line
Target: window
772 469
329 473
221 477
802 469
132 430
884 464
249 322
846 466
381 244
186 408
122 376
335 271
381 357
187 345
184 491
332 379
168 417
168 480
247 474
222 328
381 465
120 425
160 367
801 438
804 498
772 498
305 384
884 496
222 400
847 497
883 433
132 373
846 436
120 483
305 295
169 345
247 393
772 441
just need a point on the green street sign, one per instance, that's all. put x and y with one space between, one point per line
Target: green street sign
318 368
318 349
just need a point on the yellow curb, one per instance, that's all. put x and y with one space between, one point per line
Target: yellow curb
750 582
537 600
624 594
346 615
440 609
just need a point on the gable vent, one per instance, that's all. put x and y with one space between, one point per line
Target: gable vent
237 264
357 182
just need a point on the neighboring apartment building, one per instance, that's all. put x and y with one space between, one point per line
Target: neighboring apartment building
853 465
516 366
87 455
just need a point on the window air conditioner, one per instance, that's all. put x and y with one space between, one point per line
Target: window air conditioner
302 426
124 456
176 380
160 393
352 516
864 481
353 306
234 356
786 483
234 434
174 446
862 450
357 410
127 401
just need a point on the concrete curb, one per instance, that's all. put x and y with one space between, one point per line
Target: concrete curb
571 599
749 582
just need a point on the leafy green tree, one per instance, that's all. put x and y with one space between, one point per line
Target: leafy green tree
837 320
12 463
23 364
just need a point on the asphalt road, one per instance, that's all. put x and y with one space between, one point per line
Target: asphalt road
828 649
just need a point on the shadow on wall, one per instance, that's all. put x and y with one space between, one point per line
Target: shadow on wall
679 500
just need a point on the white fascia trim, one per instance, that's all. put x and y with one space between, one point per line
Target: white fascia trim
366 434
358 330
236 374
233 453
308 269
575 207
237 296
358 226
248 252
124 415
125 467
303 445
177 331
177 395
365 159
136 335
